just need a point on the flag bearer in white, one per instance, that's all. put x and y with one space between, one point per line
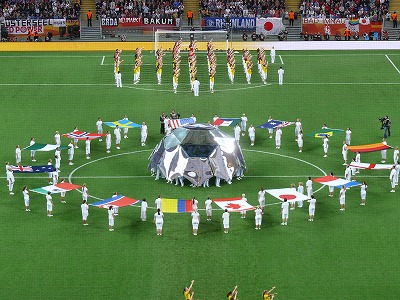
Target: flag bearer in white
285 211
258 217
143 210
311 208
272 54
342 198
196 87
195 221
281 72
108 141
225 221
118 78
117 133
208 205
143 134
87 148
85 212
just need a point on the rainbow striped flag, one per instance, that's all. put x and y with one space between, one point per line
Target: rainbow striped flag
369 147
176 205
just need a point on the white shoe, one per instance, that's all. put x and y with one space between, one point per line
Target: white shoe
309 220
33 160
270 137
71 163
100 140
282 223
325 155
342 209
392 191
344 164
300 151
86 224
87 157
11 193
292 208
108 151
49 215
118 148
76 147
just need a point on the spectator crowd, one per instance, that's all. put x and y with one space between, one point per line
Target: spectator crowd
137 9
39 9
242 8
377 10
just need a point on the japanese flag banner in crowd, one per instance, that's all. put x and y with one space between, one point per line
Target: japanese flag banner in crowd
269 26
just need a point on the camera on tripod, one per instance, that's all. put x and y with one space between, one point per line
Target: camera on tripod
383 121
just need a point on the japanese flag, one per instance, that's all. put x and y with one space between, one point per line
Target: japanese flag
290 194
233 204
269 26
364 21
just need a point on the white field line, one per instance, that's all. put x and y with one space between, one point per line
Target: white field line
280 57
392 64
102 61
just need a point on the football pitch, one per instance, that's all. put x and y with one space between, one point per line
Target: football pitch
351 254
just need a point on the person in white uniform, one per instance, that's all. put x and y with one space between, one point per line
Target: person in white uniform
261 199
49 204
272 54
18 155
111 217
258 217
309 188
344 152
243 212
108 141
326 145
143 134
71 152
281 72
278 138
25 192
300 189
331 187
384 152
195 221
11 180
358 160
208 207
342 198
32 142
363 192
225 221
143 210
57 138
117 133
85 212
159 221
396 155
270 130
99 127
196 87
392 177
243 124
285 211
297 129
348 136
300 141
237 133
87 148
125 128
85 192
252 134
347 173
158 202
118 78
311 208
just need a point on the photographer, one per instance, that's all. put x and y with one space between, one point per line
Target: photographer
386 123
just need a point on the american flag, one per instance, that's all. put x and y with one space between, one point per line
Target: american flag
175 123
32 169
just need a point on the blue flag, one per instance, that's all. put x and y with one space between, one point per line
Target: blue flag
275 124
32 169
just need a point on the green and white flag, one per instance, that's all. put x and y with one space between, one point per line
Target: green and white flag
44 147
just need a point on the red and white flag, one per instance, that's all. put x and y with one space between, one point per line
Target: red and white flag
364 21
175 123
269 26
233 204
371 166
82 135
290 194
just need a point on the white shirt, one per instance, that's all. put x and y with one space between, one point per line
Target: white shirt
244 120
278 134
111 214
85 209
364 188
71 149
87 145
225 217
208 204
300 189
281 72
108 138
392 174
326 141
49 199
143 206
158 203
298 126
309 184
117 132
285 207
258 212
26 194
344 149
237 132
99 124
272 53
261 195
57 139
57 162
358 157
195 217
342 194
312 203
143 130
159 217
195 204
347 173
348 135
196 84
84 191
18 153
252 131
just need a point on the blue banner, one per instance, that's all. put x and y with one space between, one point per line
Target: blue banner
218 23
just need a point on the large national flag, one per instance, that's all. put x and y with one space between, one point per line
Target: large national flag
226 122
176 205
123 124
290 194
44 147
82 135
118 200
364 21
56 188
32 169
369 147
336 182
275 124
269 26
233 204
323 132
175 123
371 166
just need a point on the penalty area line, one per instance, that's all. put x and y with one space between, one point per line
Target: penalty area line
102 61
394 66
280 57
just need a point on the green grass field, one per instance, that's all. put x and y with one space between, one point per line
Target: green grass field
342 255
